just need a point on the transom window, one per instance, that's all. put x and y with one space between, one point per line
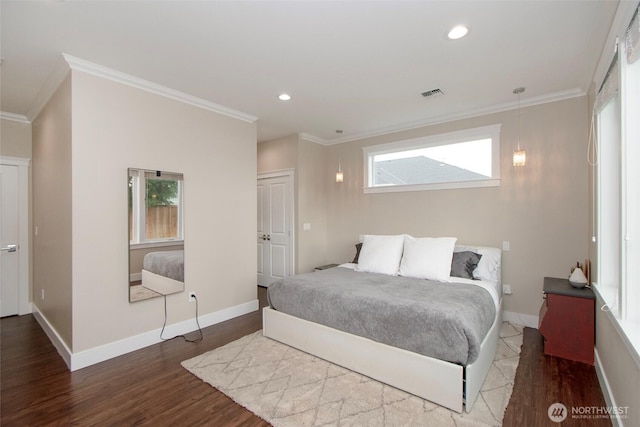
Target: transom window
463 159
155 207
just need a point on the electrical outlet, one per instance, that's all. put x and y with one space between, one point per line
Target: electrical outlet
506 289
506 246
42 296
192 296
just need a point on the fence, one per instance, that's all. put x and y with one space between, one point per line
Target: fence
162 222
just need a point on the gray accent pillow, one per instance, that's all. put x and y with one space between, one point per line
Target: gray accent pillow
464 263
358 247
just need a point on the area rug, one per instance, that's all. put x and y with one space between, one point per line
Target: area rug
290 388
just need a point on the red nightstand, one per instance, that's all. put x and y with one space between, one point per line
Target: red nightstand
567 321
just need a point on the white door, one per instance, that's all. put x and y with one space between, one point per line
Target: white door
9 238
274 229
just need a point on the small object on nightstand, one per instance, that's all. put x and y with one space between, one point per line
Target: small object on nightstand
325 267
577 278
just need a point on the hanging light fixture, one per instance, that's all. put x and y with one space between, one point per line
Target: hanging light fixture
339 174
519 155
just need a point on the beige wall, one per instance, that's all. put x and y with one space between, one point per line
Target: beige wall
15 139
116 127
311 193
534 208
621 370
278 154
309 161
87 136
539 209
52 212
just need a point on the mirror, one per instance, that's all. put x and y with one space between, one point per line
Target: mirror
156 233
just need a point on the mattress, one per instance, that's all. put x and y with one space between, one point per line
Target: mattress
447 321
165 263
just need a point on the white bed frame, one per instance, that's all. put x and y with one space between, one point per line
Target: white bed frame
161 284
447 384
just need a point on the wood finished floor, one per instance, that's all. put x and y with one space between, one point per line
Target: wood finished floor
149 387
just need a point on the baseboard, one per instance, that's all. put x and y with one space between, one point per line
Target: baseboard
55 339
520 319
606 388
135 277
99 354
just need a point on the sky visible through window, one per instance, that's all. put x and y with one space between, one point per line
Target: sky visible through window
474 156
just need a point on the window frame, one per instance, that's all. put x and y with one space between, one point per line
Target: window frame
138 222
620 292
467 135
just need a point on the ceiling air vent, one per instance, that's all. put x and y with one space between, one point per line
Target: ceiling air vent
432 92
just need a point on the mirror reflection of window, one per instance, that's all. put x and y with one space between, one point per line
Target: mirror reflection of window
155 206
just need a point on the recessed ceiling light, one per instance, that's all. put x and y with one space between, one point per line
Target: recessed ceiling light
457 32
284 97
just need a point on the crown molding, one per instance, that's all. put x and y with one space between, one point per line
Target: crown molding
14 117
313 138
51 84
138 83
543 99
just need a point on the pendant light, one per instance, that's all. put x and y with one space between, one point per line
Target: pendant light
339 174
519 155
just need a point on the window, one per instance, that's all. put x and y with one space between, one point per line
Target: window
155 207
468 158
616 110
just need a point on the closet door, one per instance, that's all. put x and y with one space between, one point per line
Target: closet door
10 267
274 238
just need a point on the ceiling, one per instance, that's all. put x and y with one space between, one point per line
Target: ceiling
355 66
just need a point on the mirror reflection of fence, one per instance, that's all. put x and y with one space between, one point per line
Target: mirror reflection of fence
156 230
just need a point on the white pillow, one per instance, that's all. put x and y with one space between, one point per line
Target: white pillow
380 254
427 257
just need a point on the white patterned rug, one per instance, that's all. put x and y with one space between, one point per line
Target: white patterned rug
287 387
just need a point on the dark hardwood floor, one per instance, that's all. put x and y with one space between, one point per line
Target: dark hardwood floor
544 380
149 387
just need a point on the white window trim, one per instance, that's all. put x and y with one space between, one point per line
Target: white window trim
616 298
158 244
483 132
139 241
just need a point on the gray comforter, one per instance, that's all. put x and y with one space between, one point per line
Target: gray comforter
447 321
165 263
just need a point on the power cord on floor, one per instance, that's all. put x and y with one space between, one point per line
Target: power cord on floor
180 336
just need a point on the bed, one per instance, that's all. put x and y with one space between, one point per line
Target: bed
163 271
395 317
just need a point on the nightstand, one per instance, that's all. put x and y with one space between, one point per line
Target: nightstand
567 320
325 267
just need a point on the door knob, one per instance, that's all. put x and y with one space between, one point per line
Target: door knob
10 248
